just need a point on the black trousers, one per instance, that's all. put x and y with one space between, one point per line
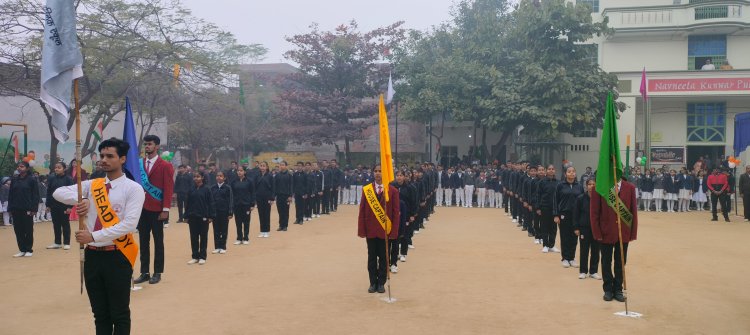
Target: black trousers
282 207
264 215
221 230
722 198
309 205
406 238
376 265
300 208
612 283
242 221
23 226
61 226
198 237
528 221
746 204
505 202
335 199
536 220
568 238
326 201
107 275
549 228
315 204
181 203
588 265
394 246
149 224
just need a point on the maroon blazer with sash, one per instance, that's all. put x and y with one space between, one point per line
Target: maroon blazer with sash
161 176
604 219
369 226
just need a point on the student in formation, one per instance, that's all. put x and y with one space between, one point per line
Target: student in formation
546 194
265 197
23 202
481 184
370 228
200 212
108 269
582 225
299 185
243 192
408 213
647 190
311 182
223 204
283 189
672 186
565 196
659 181
59 211
699 190
686 190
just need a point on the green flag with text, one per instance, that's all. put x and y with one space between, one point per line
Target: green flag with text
609 170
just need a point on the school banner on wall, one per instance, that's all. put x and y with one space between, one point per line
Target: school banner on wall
667 155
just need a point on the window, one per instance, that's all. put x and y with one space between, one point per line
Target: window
705 47
706 122
586 131
594 4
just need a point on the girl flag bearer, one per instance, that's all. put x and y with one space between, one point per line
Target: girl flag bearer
200 212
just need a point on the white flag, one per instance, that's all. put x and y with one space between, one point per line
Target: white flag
391 92
61 62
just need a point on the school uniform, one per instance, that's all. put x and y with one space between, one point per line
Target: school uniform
369 228
107 272
439 190
160 175
243 191
60 222
199 210
565 197
283 189
589 246
457 186
264 195
744 190
469 182
481 192
23 202
182 184
700 189
301 192
224 204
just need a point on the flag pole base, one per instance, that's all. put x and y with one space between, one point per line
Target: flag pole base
136 288
389 300
629 314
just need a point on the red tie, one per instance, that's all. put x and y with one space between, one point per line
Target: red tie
148 166
98 224
380 189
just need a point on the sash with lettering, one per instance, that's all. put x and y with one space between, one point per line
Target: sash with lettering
377 209
147 186
108 218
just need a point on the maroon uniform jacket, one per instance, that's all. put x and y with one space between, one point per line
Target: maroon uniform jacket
161 176
369 226
604 219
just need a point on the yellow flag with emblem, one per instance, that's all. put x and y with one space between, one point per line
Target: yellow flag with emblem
386 160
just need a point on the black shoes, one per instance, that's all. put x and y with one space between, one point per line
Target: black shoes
281 229
726 218
619 297
531 234
371 289
608 296
155 279
144 277
381 289
715 219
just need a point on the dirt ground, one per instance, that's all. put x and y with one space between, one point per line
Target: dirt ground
472 272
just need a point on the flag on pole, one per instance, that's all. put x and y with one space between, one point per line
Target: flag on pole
16 153
644 85
609 170
99 131
386 164
134 154
61 62
391 92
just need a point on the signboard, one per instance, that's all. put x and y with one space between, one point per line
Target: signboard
667 155
699 85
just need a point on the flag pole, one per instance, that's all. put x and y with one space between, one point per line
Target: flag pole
81 218
619 232
387 255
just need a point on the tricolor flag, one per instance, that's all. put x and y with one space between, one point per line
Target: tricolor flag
391 92
644 85
386 164
61 62
99 131
609 170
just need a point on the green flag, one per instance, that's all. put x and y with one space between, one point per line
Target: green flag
242 94
609 170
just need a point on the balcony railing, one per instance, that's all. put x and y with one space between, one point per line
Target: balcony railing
673 16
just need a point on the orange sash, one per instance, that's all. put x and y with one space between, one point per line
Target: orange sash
108 218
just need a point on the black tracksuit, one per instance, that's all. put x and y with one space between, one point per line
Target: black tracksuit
546 196
283 187
224 205
243 191
199 209
23 202
60 221
582 223
264 195
183 182
565 200
301 192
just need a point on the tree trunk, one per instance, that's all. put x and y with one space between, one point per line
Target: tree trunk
484 145
346 151
503 139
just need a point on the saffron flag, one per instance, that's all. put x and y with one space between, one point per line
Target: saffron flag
609 170
644 85
61 62
386 164
391 92
16 153
132 167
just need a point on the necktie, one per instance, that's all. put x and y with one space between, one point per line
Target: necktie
148 166
380 189
98 224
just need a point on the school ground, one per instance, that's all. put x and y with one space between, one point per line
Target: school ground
472 272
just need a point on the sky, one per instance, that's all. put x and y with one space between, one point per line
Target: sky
269 22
